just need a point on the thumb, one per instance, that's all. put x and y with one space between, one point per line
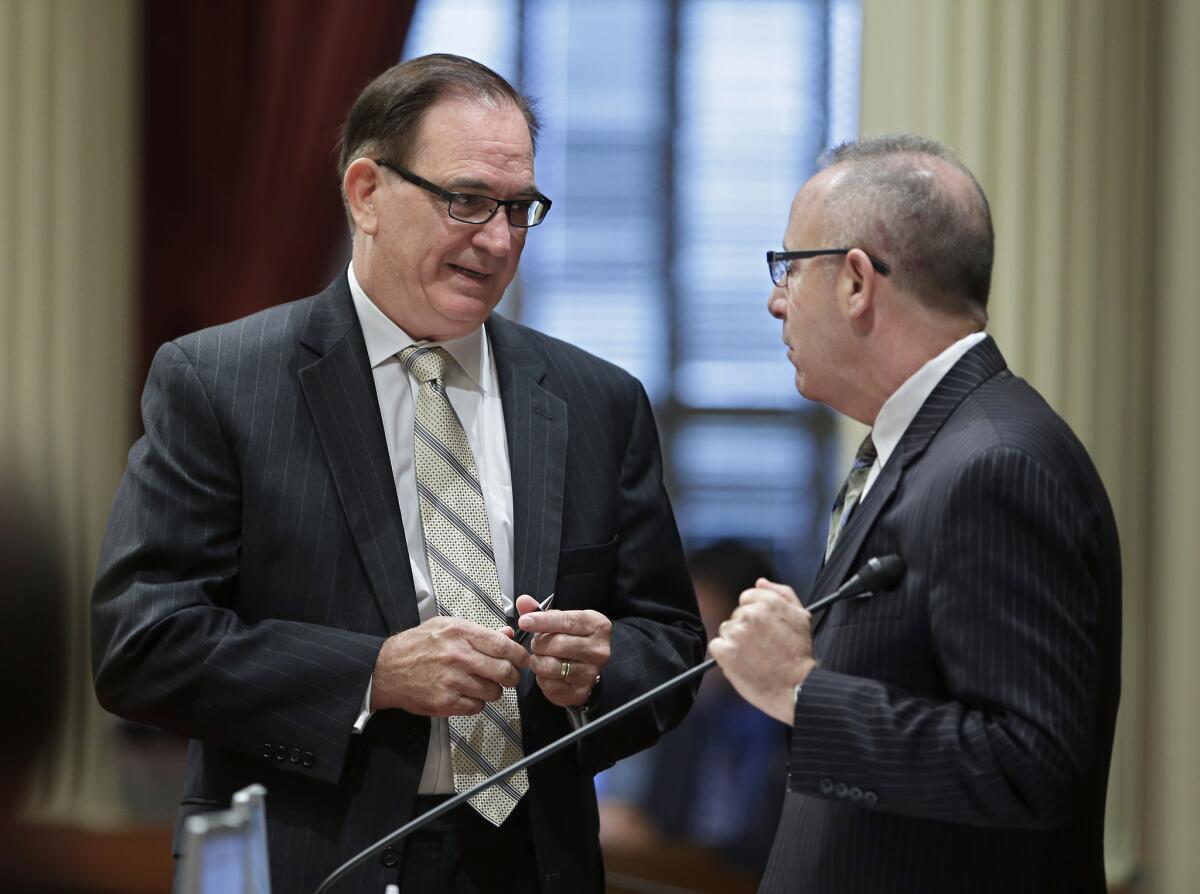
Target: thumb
526 604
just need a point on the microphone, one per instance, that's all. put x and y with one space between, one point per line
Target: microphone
879 573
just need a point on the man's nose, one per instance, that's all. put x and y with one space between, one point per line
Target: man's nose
496 236
777 303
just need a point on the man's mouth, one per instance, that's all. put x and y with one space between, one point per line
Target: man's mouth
467 271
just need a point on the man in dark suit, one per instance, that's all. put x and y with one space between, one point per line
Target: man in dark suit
953 732
314 560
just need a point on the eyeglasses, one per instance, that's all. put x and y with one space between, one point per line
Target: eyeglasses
779 262
469 208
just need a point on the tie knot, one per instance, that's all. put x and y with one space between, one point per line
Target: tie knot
866 454
426 362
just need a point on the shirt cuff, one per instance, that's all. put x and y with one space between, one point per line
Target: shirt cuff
576 717
364 715
583 714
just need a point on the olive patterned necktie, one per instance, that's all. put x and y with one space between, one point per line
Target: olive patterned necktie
462 565
852 489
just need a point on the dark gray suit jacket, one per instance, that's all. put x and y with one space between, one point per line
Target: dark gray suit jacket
957 733
255 561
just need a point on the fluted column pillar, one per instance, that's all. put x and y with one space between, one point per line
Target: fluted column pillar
1173 737
68 94
1049 103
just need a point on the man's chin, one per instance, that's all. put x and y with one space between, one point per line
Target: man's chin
463 313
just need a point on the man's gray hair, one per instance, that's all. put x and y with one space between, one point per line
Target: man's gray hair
901 200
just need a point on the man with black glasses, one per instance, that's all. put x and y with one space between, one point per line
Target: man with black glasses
341 506
953 731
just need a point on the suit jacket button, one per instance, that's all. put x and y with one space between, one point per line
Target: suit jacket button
826 786
281 752
389 857
841 789
870 798
294 756
308 759
268 751
856 793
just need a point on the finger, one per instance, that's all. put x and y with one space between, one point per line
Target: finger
476 653
495 670
758 594
719 649
577 623
461 707
563 694
551 669
575 648
456 692
747 621
782 589
479 689
767 606
726 652
496 644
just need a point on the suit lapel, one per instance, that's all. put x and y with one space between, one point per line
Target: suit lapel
340 392
978 365
535 422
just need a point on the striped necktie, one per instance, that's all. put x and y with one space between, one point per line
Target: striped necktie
852 489
458 546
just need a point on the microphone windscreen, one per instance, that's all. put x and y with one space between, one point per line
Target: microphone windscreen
882 573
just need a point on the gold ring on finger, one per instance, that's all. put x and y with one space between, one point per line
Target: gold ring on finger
564 670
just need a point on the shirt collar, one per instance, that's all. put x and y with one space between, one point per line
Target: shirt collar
899 410
385 339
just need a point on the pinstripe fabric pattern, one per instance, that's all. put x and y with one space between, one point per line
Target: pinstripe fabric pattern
255 561
957 733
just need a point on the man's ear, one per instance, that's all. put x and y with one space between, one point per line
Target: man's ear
856 284
361 183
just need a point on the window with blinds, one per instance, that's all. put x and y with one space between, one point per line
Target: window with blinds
675 135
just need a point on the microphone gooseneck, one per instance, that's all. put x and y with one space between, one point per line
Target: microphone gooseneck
879 573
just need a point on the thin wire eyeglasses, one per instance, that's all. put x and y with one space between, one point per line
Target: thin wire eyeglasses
779 262
474 209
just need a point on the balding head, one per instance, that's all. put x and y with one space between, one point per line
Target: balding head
907 200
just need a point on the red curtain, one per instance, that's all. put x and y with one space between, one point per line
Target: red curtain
241 109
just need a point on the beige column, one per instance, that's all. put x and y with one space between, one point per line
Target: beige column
1049 102
68 93
1173 738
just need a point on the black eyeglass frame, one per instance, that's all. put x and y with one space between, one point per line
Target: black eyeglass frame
450 198
785 257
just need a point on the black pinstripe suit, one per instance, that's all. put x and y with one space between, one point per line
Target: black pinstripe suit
255 561
957 732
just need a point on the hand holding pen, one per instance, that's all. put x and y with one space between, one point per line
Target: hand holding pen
568 649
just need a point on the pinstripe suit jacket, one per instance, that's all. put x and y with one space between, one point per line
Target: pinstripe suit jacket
957 732
255 561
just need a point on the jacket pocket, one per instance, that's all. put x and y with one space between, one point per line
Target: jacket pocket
590 559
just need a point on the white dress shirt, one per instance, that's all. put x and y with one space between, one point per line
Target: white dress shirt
474 392
899 410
